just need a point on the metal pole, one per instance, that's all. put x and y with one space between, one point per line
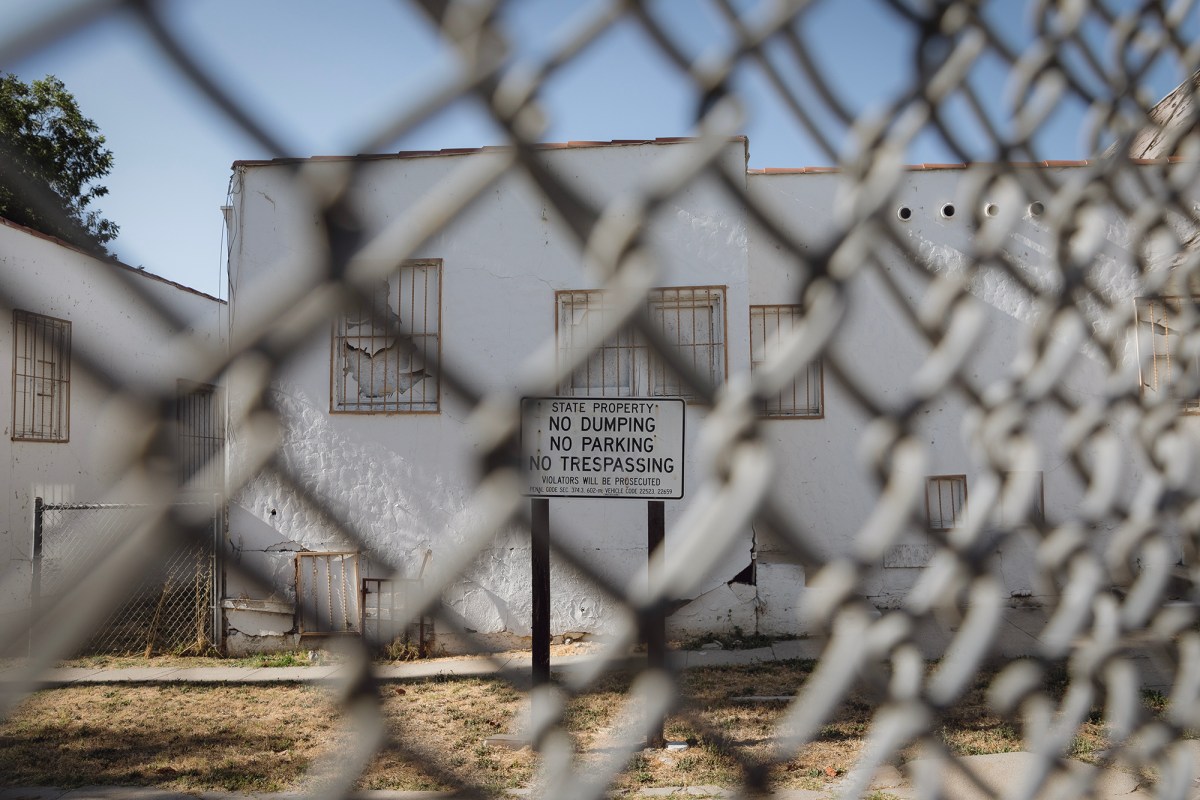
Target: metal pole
656 624
35 580
539 508
218 571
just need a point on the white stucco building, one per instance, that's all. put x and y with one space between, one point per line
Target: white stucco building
385 441
375 432
79 331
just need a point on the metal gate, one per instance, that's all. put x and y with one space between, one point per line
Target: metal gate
171 608
387 615
327 591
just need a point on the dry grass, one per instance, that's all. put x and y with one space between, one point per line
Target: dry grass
287 658
264 738
184 737
437 737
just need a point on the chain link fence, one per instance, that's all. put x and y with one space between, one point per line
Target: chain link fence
1120 564
172 608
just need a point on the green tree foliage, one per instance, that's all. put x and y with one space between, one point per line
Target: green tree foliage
50 159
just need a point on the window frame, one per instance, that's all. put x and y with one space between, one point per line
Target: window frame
816 366
339 402
632 348
26 419
1168 386
959 515
646 372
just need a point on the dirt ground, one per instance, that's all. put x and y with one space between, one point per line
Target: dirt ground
271 738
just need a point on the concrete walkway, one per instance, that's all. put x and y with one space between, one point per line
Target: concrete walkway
511 663
1017 636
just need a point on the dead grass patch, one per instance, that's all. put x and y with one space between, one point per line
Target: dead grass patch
265 738
437 732
181 737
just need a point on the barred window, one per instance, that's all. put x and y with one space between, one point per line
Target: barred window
375 370
612 369
804 397
693 318
200 416
945 501
1166 365
41 378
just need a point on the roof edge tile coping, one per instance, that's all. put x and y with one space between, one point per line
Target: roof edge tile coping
458 151
1052 164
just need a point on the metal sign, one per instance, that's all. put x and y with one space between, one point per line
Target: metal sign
603 447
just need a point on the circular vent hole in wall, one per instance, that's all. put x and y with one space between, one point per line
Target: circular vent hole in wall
948 211
904 213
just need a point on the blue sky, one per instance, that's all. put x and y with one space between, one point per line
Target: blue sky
323 76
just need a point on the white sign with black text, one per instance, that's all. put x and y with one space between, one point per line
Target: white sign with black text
603 447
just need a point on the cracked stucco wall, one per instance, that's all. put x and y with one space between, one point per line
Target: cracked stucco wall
404 482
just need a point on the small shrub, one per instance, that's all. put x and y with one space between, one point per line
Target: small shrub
1154 700
404 648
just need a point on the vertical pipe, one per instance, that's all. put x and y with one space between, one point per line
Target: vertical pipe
363 611
345 597
218 571
35 580
328 560
297 563
656 623
540 562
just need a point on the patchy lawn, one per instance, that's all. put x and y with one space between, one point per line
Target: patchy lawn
179 736
264 738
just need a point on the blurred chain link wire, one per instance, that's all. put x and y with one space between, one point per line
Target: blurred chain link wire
1089 625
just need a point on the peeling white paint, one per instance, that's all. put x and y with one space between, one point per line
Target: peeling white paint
404 483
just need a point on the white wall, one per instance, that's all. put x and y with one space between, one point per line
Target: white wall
403 482
114 332
826 481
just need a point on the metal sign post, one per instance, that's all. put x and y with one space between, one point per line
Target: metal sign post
612 448
35 581
656 624
539 509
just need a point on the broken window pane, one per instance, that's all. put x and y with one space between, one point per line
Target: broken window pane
386 350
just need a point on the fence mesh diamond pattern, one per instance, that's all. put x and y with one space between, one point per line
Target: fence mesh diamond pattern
169 609
1093 55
